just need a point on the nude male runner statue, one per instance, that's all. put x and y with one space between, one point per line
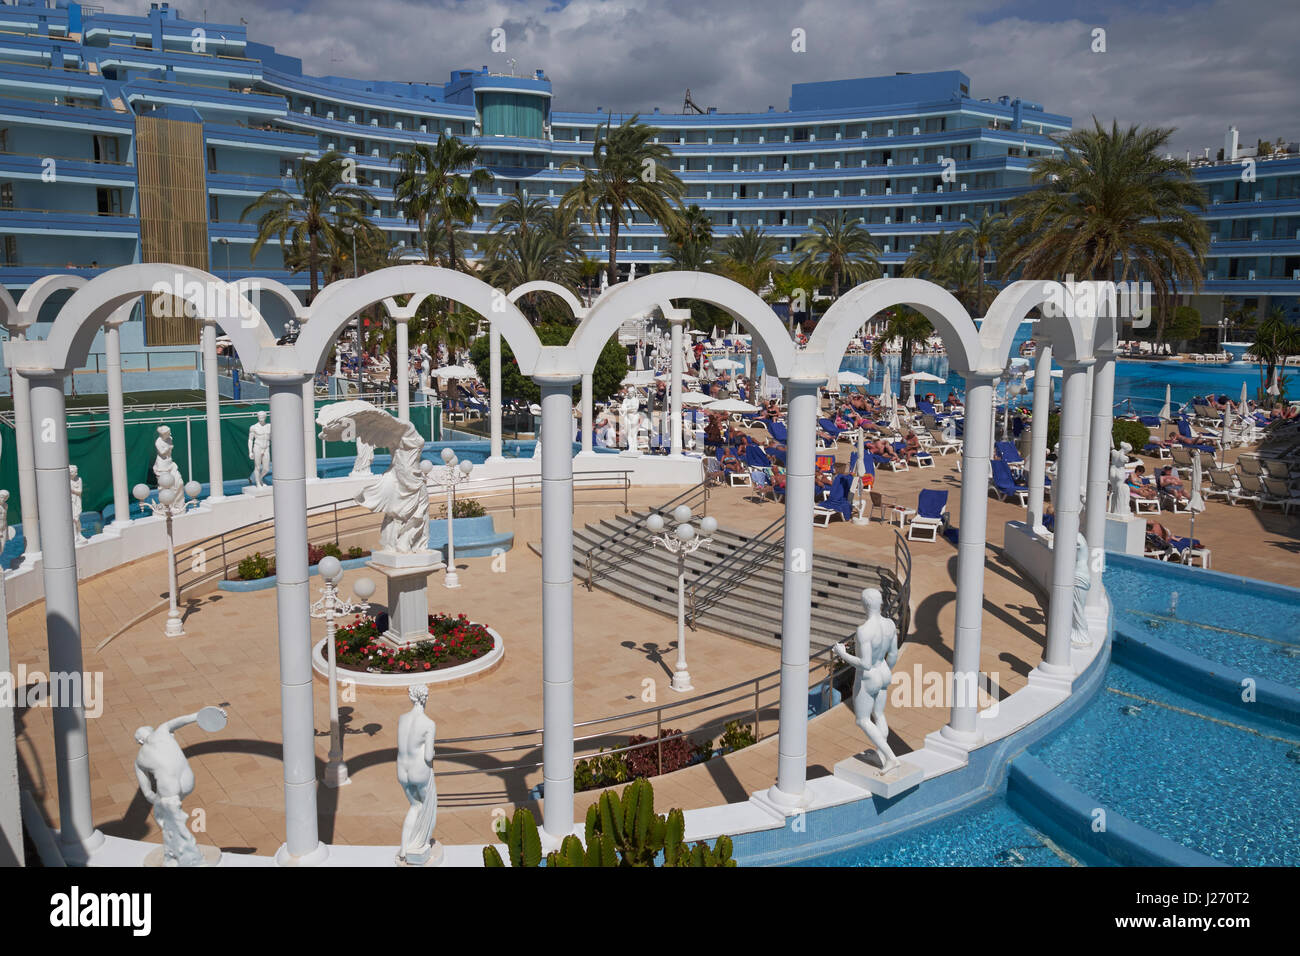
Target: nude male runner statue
878 644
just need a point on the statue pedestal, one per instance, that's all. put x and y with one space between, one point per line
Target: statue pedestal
211 856
408 594
431 856
1126 535
862 770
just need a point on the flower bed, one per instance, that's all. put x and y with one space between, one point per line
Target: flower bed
257 566
453 641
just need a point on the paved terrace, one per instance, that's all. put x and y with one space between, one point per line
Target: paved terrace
228 656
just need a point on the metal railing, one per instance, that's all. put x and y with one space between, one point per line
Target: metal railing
723 578
755 700
896 586
338 521
601 557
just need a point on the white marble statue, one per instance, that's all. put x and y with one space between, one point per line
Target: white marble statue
1119 489
4 519
166 779
424 372
400 494
416 733
162 462
1082 582
259 449
365 456
878 652
629 412
75 486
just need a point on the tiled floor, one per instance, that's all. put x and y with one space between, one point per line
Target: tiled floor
623 659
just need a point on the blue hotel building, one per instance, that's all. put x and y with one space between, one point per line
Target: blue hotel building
126 139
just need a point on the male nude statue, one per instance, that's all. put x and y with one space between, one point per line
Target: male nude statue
259 449
166 779
415 739
878 645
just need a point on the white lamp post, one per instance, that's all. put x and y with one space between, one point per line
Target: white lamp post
455 472
681 541
330 606
172 501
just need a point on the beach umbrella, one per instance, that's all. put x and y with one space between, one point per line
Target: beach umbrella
639 377
887 390
1056 373
727 363
915 377
729 405
860 471
848 377
1164 410
454 371
696 398
1242 403
667 376
1195 504
1275 388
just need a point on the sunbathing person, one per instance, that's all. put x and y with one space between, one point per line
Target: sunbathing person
912 447
1170 483
778 477
1137 487
884 449
731 463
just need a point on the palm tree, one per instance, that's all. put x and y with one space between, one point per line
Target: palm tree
837 250
795 287
911 327
1112 208
437 182
690 243
947 260
299 219
981 237
627 171
1275 339
749 257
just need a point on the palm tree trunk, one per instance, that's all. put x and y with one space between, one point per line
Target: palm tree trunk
612 268
312 253
979 302
905 361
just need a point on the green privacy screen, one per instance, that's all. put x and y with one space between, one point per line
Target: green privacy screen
88 449
512 114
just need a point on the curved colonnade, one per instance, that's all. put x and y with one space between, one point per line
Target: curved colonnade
1080 340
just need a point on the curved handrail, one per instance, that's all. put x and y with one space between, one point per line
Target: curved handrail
599 567
727 574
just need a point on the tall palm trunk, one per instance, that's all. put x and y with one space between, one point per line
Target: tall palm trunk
612 268
979 302
313 253
905 362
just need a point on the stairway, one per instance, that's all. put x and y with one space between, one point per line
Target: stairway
752 610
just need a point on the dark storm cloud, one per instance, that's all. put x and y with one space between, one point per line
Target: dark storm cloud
1196 66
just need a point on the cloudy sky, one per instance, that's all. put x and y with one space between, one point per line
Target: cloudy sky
1198 65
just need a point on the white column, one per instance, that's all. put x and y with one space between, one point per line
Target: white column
26 467
1066 492
1038 433
796 593
116 424
1099 445
972 535
293 617
402 334
78 837
675 390
11 816
212 399
494 395
587 415
557 603
308 429
1087 417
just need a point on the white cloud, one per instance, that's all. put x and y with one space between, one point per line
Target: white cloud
1198 67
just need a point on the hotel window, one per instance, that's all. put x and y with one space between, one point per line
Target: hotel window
11 250
109 201
6 195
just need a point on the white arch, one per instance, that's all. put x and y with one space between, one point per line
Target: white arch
541 285
8 309
257 285
659 290
840 323
98 299
38 293
339 301
1070 337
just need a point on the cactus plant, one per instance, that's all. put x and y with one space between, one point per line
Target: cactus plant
620 831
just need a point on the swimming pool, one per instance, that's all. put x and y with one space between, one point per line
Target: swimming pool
1227 620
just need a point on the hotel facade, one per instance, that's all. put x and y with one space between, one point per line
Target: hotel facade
127 139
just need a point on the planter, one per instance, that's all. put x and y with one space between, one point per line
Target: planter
261 584
444 675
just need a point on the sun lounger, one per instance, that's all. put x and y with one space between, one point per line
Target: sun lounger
838 502
1004 484
931 515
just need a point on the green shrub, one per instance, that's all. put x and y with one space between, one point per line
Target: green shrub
1135 433
356 551
600 771
255 567
465 508
736 736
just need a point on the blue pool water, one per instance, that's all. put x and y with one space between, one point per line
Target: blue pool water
987 834
1259 632
1193 773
